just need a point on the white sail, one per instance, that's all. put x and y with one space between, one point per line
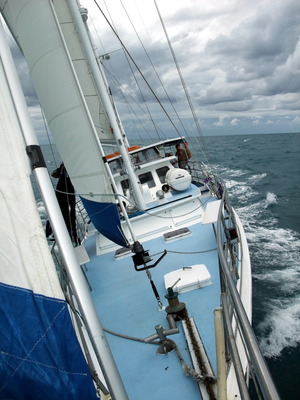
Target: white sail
83 72
22 235
64 104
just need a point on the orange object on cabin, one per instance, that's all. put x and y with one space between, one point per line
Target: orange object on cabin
116 153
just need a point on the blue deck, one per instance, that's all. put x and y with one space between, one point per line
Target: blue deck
126 304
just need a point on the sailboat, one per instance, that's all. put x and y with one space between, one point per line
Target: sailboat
152 300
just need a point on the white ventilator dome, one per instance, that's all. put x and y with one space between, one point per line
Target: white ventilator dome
178 179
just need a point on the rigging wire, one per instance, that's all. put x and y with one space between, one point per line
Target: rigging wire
136 81
120 86
182 81
134 76
138 69
154 69
123 89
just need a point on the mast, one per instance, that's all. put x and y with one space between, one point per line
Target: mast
84 15
78 283
104 95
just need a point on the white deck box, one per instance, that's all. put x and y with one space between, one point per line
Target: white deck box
191 278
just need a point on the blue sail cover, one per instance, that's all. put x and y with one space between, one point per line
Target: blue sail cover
106 220
40 356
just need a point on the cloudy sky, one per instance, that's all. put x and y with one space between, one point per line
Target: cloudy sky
240 61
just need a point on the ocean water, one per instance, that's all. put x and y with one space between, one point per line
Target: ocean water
262 176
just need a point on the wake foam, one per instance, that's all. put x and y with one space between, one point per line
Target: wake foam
275 262
276 253
281 328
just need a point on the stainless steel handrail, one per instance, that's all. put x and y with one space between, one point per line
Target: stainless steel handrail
260 367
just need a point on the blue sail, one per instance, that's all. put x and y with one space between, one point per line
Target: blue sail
106 220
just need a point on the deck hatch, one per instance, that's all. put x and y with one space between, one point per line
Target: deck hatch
123 251
176 234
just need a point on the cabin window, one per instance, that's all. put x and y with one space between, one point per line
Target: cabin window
147 155
115 165
152 154
136 158
161 173
147 178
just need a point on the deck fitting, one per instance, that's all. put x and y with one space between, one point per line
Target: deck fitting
175 306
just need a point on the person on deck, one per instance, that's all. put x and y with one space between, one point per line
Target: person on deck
65 194
183 155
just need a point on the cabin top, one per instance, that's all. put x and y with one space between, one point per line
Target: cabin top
156 167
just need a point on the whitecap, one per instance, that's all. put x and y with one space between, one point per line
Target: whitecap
257 178
237 172
240 191
225 171
271 198
254 212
